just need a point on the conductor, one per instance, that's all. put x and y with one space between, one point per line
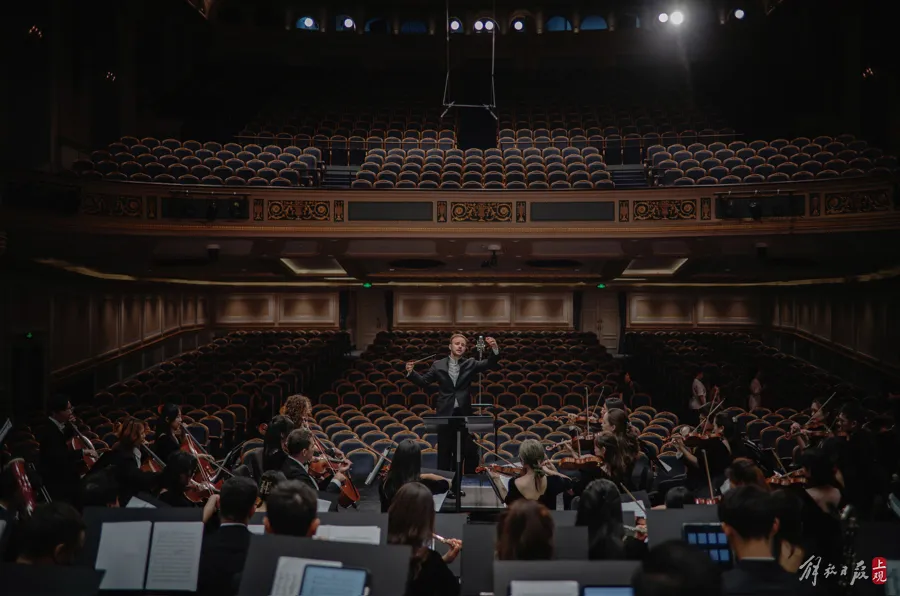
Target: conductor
454 376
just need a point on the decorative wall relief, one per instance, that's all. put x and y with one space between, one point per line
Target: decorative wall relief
481 212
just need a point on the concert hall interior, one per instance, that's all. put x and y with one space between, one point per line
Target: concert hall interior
573 298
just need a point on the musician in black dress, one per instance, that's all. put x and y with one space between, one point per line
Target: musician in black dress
274 456
169 432
454 375
406 467
124 459
541 481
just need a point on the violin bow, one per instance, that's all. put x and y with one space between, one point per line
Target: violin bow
638 503
708 477
478 443
708 416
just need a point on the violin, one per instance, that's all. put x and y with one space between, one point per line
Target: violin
349 495
702 439
500 469
585 462
574 441
795 478
82 443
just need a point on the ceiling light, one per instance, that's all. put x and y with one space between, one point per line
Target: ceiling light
677 17
308 22
479 25
663 17
739 13
455 25
348 23
489 25
519 25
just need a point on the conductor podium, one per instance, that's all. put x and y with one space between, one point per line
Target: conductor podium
459 426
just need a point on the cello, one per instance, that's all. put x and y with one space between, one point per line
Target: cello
27 502
81 443
323 467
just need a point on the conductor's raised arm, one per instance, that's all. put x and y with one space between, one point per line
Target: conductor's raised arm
420 380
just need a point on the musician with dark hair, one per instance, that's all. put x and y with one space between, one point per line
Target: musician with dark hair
454 375
59 464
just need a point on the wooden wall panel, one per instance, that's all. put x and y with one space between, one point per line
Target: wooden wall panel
692 310
473 310
300 310
202 311
152 316
188 310
423 310
106 319
132 311
482 309
171 313
316 310
787 312
660 310
71 330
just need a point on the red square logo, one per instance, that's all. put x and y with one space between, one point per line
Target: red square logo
879 571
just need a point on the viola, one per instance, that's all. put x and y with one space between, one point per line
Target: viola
794 478
349 495
702 439
500 469
82 443
152 463
708 501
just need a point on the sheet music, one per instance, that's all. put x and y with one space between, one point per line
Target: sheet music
439 501
322 506
122 554
135 503
354 534
634 507
175 556
555 588
257 529
289 574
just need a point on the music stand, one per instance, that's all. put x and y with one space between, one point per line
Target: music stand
459 425
30 580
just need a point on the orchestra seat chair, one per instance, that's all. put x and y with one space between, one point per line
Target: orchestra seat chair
784 447
371 437
660 431
362 462
511 447
403 435
755 428
329 399
669 415
784 425
431 438
383 445
769 435
663 422
653 439
760 412
361 425
786 412
342 435
200 432
240 417
349 445
366 409
743 420
430 458
420 409
773 419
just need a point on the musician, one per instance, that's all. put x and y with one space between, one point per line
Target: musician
292 510
411 523
756 388
59 464
821 500
454 375
540 482
525 532
616 422
864 477
676 568
600 509
607 448
300 454
627 388
299 409
698 397
175 480
169 432
744 471
53 535
406 467
749 520
124 461
717 454
100 489
274 456
224 550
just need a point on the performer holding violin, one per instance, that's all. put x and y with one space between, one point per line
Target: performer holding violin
169 433
125 458
540 481
708 443
454 375
63 452
299 462
299 409
605 463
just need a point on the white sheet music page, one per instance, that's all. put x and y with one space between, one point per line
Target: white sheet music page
289 574
135 503
175 556
354 534
322 506
555 588
439 500
258 529
123 554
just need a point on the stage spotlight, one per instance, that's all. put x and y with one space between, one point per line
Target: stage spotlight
455 24
519 25
308 22
479 25
489 25
663 17
677 17
348 23
739 14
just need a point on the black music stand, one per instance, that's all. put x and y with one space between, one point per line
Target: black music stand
31 580
459 425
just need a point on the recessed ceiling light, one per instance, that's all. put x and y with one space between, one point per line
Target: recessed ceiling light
460 269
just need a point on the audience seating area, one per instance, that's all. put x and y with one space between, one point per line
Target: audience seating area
191 162
235 380
551 167
688 163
